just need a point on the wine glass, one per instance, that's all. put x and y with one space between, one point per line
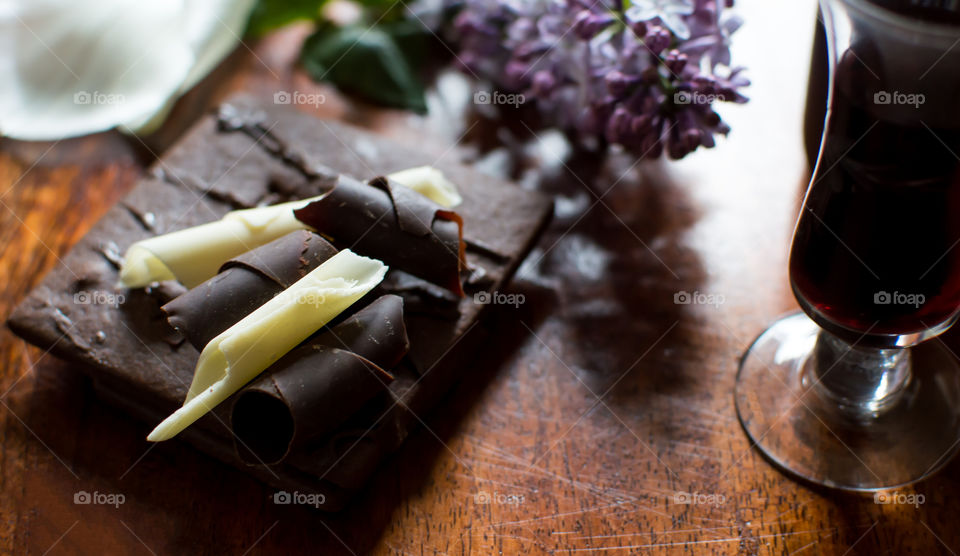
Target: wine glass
845 394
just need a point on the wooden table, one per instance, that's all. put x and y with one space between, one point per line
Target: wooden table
600 401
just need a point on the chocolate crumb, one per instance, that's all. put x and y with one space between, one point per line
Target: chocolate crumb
165 291
111 252
147 220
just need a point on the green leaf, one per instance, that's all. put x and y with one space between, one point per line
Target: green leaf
364 61
412 38
268 15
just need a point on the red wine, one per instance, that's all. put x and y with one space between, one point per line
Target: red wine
932 11
877 245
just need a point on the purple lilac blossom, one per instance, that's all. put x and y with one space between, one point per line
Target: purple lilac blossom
642 74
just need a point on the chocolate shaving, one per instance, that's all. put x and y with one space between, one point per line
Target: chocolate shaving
244 284
392 223
419 296
317 386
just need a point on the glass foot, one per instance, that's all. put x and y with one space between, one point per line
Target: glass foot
797 421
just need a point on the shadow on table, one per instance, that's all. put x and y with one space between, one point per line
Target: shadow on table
615 255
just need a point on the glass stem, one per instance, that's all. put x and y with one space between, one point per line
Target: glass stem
863 382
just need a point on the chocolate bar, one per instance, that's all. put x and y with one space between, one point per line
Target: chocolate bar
127 350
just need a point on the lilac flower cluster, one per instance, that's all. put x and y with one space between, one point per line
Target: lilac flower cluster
639 73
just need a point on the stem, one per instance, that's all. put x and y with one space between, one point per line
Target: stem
863 382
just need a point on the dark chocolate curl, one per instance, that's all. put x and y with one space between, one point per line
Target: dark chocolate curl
395 224
244 284
317 386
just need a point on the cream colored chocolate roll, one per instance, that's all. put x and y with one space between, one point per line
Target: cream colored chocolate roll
431 183
246 349
194 255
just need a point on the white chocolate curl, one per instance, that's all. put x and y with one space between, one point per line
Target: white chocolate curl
431 183
247 348
194 255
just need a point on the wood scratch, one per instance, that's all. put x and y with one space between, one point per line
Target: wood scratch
698 542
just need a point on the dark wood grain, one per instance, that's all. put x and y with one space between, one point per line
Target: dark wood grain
596 403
